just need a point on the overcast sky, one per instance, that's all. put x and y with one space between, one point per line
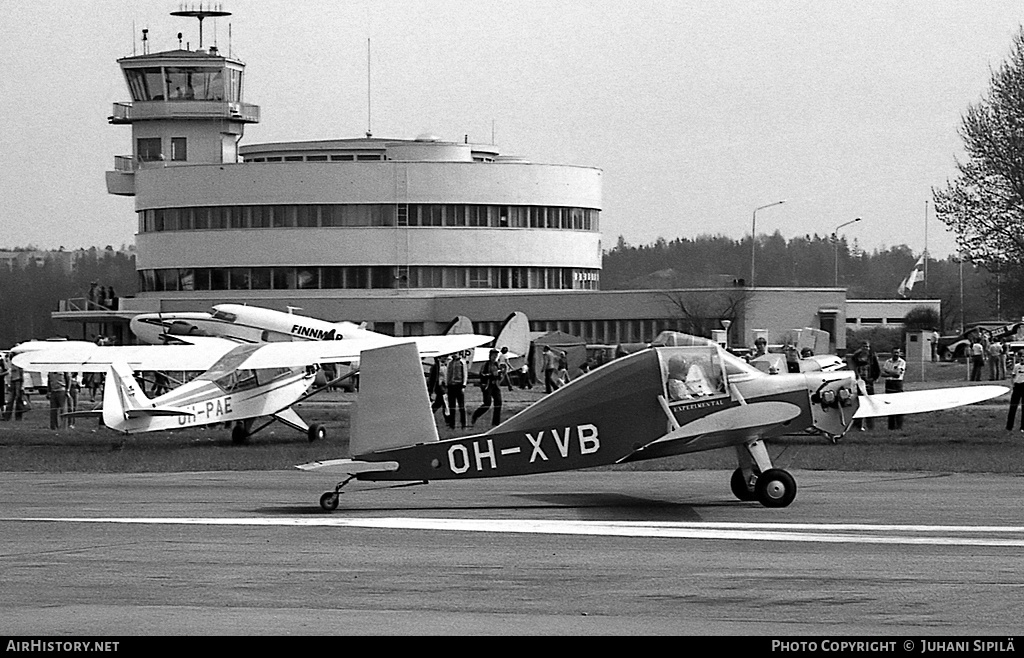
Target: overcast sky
697 112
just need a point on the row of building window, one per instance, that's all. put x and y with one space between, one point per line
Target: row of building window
367 277
897 321
199 218
184 83
321 157
336 157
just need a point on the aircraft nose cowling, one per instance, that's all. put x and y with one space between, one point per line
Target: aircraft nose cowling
834 401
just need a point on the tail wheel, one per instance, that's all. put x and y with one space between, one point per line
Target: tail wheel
738 483
329 501
317 432
775 488
239 434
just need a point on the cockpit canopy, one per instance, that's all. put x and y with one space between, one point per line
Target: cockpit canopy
700 371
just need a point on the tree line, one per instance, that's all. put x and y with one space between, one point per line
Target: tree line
988 293
31 291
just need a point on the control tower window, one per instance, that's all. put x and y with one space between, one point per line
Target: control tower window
195 83
148 149
145 84
179 149
234 86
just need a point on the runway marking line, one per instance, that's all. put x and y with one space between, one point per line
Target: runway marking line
835 533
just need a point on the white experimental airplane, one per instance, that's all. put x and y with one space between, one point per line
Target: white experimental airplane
239 382
253 324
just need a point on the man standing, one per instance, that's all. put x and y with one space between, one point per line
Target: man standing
3 384
14 403
57 391
490 384
437 384
505 368
865 364
977 351
995 355
1017 374
550 369
893 370
458 375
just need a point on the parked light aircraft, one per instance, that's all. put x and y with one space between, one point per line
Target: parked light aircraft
662 401
239 382
253 324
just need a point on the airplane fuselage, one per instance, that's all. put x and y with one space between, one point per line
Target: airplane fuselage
597 421
209 403
246 323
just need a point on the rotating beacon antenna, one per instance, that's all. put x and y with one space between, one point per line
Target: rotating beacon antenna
211 10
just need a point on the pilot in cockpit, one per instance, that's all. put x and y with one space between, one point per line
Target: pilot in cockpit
697 382
676 381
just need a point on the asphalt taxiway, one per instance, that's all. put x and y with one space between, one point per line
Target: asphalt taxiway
577 553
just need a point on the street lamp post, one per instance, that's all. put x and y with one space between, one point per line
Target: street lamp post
835 240
753 237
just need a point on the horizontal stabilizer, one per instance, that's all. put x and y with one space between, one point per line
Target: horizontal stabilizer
348 466
147 412
93 413
916 402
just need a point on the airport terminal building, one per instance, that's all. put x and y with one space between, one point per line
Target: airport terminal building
404 234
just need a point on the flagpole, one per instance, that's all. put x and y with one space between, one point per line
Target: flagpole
926 248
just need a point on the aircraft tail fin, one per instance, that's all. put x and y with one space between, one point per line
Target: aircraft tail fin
122 394
460 325
515 334
393 409
123 400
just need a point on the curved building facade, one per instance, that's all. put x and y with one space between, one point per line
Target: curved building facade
350 214
354 214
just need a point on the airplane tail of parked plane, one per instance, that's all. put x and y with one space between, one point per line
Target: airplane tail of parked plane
515 334
123 399
459 325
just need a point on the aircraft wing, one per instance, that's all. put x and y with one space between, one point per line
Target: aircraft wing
82 356
747 420
297 354
915 402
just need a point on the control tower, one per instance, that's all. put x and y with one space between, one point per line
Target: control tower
186 108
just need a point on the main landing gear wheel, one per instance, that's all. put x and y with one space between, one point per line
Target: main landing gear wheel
239 434
317 432
775 488
738 483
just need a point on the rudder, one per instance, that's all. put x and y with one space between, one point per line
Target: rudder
393 409
121 393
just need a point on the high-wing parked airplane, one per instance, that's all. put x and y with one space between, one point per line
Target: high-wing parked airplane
654 403
239 382
253 324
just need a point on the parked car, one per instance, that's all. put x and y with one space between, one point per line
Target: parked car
955 346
